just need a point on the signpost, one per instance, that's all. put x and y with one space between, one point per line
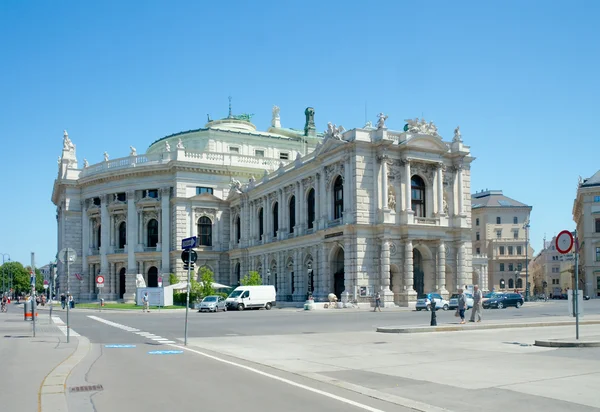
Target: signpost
32 280
188 256
69 256
564 244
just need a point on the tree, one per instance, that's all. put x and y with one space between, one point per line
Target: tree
207 278
173 280
20 277
251 279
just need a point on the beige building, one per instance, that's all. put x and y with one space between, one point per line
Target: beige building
501 231
586 214
545 269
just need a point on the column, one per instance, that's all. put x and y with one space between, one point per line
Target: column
266 219
408 293
408 189
387 294
459 179
318 194
165 200
85 240
105 235
140 228
440 189
299 209
441 278
384 182
347 191
132 234
460 264
322 200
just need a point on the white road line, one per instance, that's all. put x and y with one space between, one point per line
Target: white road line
284 380
169 341
159 339
63 327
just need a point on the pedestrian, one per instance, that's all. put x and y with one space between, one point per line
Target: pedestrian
63 300
462 305
377 302
146 302
477 301
71 302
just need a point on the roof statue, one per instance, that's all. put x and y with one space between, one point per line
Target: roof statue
368 125
381 121
457 136
180 144
421 127
333 132
133 151
167 146
309 126
85 163
67 143
244 116
275 120
105 157
235 184
60 160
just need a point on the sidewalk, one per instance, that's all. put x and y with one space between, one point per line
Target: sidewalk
25 361
492 370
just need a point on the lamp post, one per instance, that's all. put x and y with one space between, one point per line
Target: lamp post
517 273
526 227
3 277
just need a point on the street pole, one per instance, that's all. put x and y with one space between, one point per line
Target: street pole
187 298
33 291
50 288
576 287
67 297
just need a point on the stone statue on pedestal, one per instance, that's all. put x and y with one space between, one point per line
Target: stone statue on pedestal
457 136
67 143
85 163
105 156
381 121
180 144
391 198
275 120
133 151
167 147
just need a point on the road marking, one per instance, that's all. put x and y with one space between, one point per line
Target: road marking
116 325
63 327
165 352
169 341
119 346
284 380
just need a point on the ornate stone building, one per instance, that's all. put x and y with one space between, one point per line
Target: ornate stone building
357 211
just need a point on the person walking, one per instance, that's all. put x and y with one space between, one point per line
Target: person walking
146 303
477 301
63 300
377 302
71 302
462 305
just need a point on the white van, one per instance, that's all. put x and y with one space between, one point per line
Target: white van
248 297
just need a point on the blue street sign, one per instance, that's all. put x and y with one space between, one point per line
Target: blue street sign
189 242
165 352
119 346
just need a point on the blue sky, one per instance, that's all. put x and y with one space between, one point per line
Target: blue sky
519 77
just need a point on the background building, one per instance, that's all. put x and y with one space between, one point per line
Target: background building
586 214
349 212
545 269
500 231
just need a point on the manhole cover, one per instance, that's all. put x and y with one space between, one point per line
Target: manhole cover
86 388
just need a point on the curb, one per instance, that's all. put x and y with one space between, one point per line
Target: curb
52 394
567 344
467 327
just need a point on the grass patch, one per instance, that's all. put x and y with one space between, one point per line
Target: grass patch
125 306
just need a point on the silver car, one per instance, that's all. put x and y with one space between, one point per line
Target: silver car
212 304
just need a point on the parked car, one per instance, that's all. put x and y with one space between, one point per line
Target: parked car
424 301
454 301
504 300
490 295
212 304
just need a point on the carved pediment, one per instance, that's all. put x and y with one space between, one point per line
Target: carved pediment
426 143
328 145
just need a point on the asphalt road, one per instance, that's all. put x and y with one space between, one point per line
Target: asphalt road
170 324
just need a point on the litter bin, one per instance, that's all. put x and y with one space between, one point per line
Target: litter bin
28 310
101 302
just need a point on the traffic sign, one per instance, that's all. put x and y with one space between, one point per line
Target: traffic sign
160 281
99 279
189 242
67 253
564 242
191 253
45 284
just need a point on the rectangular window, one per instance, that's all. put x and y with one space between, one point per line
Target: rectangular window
510 267
510 250
501 267
520 266
501 250
519 250
596 198
477 222
498 234
121 197
477 236
516 234
498 220
597 225
200 190
478 251
284 156
598 254
259 153
152 193
233 149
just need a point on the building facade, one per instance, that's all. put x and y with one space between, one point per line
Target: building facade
547 268
586 214
345 211
500 231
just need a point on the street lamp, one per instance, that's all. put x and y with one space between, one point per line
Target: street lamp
526 227
517 273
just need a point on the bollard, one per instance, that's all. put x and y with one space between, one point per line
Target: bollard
433 314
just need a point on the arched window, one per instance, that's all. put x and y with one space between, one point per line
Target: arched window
238 273
122 235
275 219
311 208
204 231
238 229
292 217
338 198
519 283
261 223
153 277
418 196
152 239
99 236
511 284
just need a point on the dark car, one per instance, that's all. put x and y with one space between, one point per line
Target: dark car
504 300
